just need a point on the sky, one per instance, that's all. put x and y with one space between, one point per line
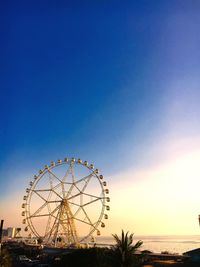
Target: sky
112 82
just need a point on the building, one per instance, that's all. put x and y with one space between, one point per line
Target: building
11 232
193 254
4 232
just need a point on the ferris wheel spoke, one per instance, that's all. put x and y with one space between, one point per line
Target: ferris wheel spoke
77 219
92 201
57 194
48 199
63 182
70 190
44 205
63 190
54 226
76 213
86 183
86 215
41 190
40 208
88 177
74 196
54 188
72 172
89 195
81 199
36 192
55 210
35 214
53 174
44 190
50 180
66 174
41 215
72 203
77 187
48 225
48 229
53 216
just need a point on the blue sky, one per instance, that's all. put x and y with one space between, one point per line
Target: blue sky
114 82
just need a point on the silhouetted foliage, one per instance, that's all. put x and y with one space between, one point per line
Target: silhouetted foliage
5 258
87 257
121 255
124 250
146 251
165 252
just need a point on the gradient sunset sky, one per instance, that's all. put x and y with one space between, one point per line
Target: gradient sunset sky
116 83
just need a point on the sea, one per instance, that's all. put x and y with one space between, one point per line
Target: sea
172 243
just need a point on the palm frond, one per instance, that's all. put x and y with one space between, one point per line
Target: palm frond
124 247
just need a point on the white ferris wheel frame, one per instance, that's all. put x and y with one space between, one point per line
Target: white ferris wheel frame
71 162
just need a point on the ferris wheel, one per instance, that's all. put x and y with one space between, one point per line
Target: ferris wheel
66 203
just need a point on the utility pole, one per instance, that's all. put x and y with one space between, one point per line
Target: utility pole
1 231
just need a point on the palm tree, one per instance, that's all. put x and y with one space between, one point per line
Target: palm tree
124 250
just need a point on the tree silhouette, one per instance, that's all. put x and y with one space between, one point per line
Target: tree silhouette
124 250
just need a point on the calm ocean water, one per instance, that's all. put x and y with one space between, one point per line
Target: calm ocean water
173 244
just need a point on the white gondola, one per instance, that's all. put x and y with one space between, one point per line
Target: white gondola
91 166
107 207
31 183
85 163
96 171
53 164
23 213
104 183
108 199
24 221
25 197
66 159
107 191
27 190
93 239
101 177
79 161
59 161
73 160
102 224
105 216
23 205
98 232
